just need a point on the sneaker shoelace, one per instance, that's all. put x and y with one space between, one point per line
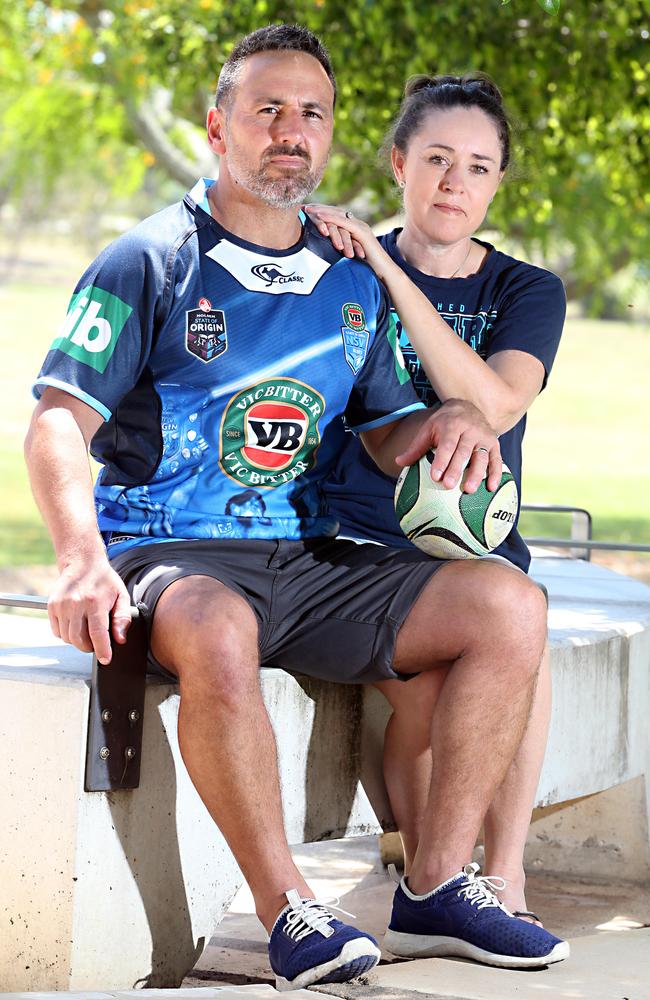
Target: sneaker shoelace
308 915
480 890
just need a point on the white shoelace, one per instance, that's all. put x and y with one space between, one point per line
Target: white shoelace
308 915
480 890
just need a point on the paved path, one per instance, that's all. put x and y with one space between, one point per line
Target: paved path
610 957
202 993
604 922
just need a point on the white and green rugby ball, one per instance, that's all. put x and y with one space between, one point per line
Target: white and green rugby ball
450 524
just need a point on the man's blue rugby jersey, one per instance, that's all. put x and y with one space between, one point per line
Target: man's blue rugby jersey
221 369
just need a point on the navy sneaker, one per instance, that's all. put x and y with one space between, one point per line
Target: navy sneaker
309 945
463 917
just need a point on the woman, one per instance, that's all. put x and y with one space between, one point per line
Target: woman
494 325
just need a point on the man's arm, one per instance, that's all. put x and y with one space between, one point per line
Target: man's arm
456 431
88 590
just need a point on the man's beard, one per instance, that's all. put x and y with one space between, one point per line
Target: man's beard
278 192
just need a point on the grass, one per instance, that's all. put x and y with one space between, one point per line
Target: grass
29 318
586 444
587 438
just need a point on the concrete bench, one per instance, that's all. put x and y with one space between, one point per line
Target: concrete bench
125 887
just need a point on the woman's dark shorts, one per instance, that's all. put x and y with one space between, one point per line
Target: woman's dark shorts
326 607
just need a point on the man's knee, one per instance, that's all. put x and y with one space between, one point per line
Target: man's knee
207 635
476 606
515 613
522 603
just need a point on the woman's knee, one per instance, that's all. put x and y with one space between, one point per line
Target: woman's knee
415 699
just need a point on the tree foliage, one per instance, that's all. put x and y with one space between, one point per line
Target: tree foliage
118 89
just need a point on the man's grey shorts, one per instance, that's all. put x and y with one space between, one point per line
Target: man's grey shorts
326 607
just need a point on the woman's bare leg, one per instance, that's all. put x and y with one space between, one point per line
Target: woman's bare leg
508 819
407 752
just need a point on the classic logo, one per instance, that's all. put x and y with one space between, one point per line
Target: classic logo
354 316
205 331
291 274
269 432
272 274
92 327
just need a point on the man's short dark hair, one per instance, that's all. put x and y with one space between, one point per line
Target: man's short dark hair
273 38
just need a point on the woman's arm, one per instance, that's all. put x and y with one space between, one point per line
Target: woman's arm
503 388
462 440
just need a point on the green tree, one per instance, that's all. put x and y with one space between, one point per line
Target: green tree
119 90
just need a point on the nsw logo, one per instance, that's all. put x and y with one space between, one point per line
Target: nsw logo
206 336
355 345
92 327
355 335
274 274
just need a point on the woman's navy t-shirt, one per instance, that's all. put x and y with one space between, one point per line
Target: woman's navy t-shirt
507 305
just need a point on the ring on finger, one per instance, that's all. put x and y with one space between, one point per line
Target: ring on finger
349 215
481 448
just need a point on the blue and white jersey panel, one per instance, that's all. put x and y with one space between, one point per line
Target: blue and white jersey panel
222 370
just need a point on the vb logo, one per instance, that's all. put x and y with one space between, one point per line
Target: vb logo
270 432
274 433
91 329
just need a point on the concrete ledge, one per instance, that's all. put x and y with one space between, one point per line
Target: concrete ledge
124 889
599 632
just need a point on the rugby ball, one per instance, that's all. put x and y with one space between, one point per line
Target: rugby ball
450 524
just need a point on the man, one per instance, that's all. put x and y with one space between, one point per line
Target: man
207 354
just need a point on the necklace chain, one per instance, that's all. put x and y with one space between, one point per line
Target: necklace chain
449 276
463 262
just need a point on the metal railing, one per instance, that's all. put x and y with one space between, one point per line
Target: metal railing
581 533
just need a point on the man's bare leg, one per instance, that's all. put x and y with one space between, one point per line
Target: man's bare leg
490 623
207 636
407 772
